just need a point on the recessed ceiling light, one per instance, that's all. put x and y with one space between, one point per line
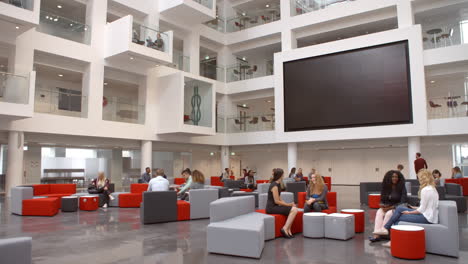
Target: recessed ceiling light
244 105
105 83
432 81
17 27
207 57
243 13
211 153
267 5
244 58
85 29
59 6
60 75
269 101
56 19
233 153
71 24
131 58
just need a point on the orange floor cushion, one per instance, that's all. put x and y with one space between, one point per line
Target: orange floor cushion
183 210
41 207
130 200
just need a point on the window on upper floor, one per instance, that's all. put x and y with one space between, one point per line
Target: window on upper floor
464 31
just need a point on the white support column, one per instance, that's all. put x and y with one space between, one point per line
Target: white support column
224 157
146 155
405 13
414 146
192 50
288 40
15 172
292 156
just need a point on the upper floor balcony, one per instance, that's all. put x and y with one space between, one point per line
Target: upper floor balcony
63 27
189 12
299 7
16 95
445 26
128 41
120 109
17 16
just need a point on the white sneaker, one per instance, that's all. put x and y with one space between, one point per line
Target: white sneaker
111 197
104 206
383 232
388 244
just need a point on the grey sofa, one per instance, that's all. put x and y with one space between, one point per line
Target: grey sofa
16 250
239 193
158 207
263 188
442 238
366 188
235 229
18 194
222 191
263 198
454 192
234 184
296 187
200 200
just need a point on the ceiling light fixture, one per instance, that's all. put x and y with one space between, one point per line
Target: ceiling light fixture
131 58
56 19
432 81
60 75
269 101
244 105
59 6
233 153
244 58
244 14
17 27
71 24
105 83
267 5
211 153
207 57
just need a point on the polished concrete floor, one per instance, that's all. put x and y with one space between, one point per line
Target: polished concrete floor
115 235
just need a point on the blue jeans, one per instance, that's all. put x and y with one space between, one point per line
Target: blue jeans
398 216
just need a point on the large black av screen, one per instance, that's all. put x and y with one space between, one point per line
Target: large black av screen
364 87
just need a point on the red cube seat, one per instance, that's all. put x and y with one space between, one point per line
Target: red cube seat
41 207
179 181
89 203
183 210
215 181
280 220
130 200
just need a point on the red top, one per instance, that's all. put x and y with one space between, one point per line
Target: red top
419 164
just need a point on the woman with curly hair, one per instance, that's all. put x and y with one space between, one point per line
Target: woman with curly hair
392 194
428 210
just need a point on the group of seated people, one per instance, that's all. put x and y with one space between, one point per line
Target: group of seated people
159 182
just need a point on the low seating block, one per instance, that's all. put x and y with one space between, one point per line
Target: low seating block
89 203
339 226
183 210
41 207
408 242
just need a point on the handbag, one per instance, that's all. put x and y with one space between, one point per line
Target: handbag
92 189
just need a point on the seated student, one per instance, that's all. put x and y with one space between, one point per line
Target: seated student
101 185
437 177
198 180
392 194
187 174
158 182
292 173
316 198
456 173
275 205
426 213
299 175
249 180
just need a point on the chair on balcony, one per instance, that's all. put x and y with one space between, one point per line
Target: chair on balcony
17 3
239 25
434 105
254 121
265 19
264 119
238 122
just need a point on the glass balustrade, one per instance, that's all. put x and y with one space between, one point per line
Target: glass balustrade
180 61
440 34
218 24
206 3
248 123
122 110
212 71
451 106
246 71
198 102
220 124
67 103
26 4
63 27
14 88
300 7
151 38
251 19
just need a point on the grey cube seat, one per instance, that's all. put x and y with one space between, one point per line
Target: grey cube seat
69 204
442 238
287 197
263 188
339 226
16 250
200 200
454 192
314 225
222 191
158 207
18 194
115 202
235 229
241 193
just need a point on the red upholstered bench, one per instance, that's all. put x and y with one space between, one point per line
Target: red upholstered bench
328 182
280 220
134 198
331 199
183 210
246 190
41 206
179 181
215 181
54 190
262 181
463 182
